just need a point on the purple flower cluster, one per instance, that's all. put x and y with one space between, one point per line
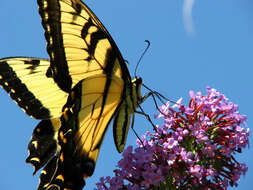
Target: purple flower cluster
193 149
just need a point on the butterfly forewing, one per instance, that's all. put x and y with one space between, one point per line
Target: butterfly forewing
31 86
78 44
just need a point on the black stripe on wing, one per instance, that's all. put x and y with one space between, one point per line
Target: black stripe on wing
19 92
51 16
78 44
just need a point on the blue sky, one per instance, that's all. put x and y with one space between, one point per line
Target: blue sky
219 53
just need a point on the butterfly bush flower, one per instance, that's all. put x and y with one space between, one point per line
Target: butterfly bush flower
193 149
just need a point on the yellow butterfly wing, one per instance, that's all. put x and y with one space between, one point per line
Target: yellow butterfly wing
100 98
78 44
30 84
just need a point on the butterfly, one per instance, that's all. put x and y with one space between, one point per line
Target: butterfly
77 92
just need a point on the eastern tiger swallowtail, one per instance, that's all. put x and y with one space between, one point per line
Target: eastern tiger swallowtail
76 93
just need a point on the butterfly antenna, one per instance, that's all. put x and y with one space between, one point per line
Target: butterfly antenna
156 95
146 49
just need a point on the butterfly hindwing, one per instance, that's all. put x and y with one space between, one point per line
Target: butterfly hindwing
121 126
95 100
30 84
47 174
87 114
68 168
43 144
122 118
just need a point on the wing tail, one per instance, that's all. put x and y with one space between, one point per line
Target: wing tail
43 144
